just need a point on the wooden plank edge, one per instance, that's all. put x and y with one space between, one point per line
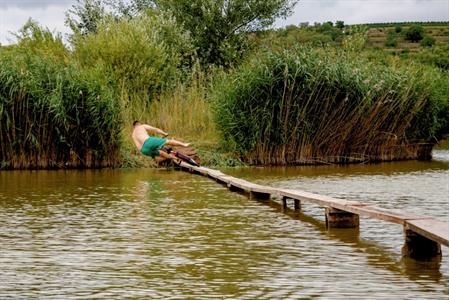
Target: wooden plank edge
415 226
362 209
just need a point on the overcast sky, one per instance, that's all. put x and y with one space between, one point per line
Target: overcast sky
51 13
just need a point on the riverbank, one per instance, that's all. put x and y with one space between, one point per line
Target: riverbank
64 107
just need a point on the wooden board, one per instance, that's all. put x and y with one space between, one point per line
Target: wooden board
433 229
389 215
430 228
324 201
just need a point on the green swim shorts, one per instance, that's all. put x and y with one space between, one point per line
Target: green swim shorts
152 145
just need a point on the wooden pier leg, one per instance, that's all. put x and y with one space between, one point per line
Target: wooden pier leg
336 218
419 247
297 204
259 196
284 202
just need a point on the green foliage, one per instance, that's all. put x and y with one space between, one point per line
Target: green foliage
428 41
329 29
145 54
356 39
437 56
35 39
85 16
319 105
52 114
219 28
414 33
340 25
391 40
398 28
289 37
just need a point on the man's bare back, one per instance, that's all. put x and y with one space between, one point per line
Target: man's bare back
140 136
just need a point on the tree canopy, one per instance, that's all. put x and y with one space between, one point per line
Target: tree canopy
217 27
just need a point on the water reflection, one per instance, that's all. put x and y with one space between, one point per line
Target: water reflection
377 256
169 235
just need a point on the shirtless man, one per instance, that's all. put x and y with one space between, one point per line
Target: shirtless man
149 145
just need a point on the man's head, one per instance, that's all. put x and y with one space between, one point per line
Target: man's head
136 123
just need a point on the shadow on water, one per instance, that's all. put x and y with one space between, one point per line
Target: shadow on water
376 255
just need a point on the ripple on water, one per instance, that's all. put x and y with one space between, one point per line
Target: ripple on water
170 235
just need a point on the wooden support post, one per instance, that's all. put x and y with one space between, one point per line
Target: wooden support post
419 247
284 202
336 218
259 195
297 204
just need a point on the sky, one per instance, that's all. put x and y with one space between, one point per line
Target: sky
51 13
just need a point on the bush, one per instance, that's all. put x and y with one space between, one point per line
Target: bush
415 33
391 40
145 55
308 106
437 56
428 41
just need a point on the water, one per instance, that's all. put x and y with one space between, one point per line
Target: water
159 234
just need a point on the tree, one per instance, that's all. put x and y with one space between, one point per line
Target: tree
85 15
340 25
415 33
329 29
219 27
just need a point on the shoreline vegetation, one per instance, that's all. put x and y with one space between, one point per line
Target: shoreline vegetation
297 95
308 106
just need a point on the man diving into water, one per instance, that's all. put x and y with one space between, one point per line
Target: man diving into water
150 145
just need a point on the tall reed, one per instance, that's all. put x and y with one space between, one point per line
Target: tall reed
325 106
54 115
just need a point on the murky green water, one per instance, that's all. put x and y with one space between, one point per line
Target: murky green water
171 235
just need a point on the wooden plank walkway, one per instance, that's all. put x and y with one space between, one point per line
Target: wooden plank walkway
427 227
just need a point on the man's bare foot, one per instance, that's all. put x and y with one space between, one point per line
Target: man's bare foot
186 144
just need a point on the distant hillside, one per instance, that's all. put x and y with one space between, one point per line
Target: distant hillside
391 36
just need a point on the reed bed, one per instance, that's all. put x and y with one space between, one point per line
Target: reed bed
66 108
54 115
308 106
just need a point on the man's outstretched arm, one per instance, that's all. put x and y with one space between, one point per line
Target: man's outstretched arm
155 129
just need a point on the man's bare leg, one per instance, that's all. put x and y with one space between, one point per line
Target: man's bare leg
169 156
176 143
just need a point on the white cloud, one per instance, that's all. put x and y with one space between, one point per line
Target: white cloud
34 3
368 11
51 13
13 18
